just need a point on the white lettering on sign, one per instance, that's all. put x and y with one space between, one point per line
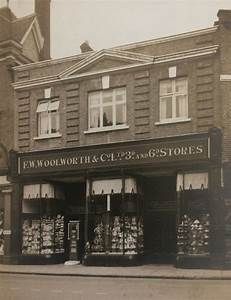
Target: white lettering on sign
141 153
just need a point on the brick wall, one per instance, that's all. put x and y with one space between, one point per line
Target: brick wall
142 87
6 105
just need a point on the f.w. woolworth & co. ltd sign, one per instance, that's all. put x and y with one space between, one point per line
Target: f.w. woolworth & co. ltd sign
132 154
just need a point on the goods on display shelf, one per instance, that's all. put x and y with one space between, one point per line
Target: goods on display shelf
47 235
126 234
43 235
59 234
31 237
1 232
193 235
98 244
117 234
133 235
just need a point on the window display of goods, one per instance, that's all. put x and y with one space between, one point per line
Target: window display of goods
47 235
43 235
31 237
133 235
117 234
59 234
98 244
1 232
126 234
193 235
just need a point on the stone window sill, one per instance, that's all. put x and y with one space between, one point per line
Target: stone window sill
173 121
106 129
48 136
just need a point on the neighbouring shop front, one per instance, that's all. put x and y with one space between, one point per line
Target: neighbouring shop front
123 203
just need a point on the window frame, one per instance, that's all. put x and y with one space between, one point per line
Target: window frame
48 113
113 104
173 96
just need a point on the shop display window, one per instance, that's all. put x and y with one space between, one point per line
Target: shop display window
116 224
193 231
43 221
43 235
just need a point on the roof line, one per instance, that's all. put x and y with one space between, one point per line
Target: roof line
166 38
24 17
105 52
51 61
158 59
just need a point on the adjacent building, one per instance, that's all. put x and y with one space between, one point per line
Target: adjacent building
21 42
122 156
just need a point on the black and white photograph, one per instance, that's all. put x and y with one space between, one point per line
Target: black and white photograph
115 149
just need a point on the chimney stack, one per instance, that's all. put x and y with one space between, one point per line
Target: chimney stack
42 10
224 18
85 47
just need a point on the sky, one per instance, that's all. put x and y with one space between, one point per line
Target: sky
108 23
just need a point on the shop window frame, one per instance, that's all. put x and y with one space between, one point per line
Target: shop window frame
123 213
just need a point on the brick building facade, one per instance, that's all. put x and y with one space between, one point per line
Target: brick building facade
21 42
123 155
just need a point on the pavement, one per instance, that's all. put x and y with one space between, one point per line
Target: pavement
143 271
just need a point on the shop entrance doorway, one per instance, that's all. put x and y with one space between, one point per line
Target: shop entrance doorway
160 219
75 200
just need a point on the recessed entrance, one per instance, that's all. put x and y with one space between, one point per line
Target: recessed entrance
160 219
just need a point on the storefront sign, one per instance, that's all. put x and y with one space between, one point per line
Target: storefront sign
149 152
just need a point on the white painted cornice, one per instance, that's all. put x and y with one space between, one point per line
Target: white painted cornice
50 62
122 55
187 54
156 60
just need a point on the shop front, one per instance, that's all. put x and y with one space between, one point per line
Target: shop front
123 203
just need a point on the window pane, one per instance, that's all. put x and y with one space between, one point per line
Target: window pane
181 85
166 108
54 115
181 106
120 114
54 105
120 94
95 117
165 87
42 106
43 125
107 116
94 99
107 97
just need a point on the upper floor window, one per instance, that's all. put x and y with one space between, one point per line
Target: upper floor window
48 117
107 109
173 99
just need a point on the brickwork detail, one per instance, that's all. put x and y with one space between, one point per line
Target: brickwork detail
205 95
23 121
142 104
72 114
